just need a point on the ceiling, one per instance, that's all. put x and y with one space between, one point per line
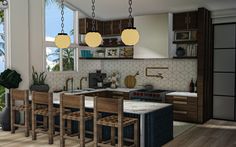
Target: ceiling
110 9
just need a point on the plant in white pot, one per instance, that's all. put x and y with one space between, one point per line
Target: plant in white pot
39 81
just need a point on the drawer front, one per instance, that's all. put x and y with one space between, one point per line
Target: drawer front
185 116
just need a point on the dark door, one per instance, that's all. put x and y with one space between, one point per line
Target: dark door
180 21
107 27
192 20
116 27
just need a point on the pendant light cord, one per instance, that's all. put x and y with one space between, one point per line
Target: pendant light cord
62 16
130 14
93 15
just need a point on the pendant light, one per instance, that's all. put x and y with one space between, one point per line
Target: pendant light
130 36
62 40
93 38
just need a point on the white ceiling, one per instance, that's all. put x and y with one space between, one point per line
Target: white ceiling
110 9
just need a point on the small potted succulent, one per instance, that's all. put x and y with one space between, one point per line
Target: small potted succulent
39 81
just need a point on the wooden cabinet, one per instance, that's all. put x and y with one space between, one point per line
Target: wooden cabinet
106 28
184 108
185 21
85 25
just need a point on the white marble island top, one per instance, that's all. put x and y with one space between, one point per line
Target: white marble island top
134 107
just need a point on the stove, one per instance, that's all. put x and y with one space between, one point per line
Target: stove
154 95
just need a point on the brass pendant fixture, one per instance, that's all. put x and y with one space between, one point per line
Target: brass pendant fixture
93 38
62 40
130 35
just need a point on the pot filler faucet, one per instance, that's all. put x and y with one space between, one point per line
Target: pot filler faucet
67 82
81 80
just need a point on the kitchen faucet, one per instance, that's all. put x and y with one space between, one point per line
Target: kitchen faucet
81 80
72 83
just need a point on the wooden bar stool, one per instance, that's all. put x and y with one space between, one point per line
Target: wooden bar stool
73 102
116 120
42 105
22 98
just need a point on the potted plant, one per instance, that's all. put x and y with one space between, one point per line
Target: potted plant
8 79
39 81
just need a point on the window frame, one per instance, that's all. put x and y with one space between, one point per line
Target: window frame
74 45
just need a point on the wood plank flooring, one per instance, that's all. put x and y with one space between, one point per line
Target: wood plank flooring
214 133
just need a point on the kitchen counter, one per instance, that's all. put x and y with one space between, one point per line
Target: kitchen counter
134 107
187 94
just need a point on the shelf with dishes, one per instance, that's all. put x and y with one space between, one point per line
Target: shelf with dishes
107 53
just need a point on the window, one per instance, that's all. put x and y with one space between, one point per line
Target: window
59 59
2 55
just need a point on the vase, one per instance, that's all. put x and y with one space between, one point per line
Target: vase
6 115
40 88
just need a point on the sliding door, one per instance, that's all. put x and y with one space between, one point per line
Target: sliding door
224 71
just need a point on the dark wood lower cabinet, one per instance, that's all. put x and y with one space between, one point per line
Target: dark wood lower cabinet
184 108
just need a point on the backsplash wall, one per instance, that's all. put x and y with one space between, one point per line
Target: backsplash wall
176 77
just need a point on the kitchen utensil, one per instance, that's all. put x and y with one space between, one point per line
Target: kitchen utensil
130 80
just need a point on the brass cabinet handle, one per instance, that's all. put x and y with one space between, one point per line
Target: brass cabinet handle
179 102
181 112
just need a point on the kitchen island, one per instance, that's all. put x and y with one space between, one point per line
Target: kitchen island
156 119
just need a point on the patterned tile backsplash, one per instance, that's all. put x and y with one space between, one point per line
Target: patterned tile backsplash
176 77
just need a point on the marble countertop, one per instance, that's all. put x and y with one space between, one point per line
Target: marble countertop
134 107
188 94
89 90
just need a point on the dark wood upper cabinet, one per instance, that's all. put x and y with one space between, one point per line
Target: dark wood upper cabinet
116 27
85 25
107 28
99 27
185 21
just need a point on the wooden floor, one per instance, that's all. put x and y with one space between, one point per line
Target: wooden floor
214 133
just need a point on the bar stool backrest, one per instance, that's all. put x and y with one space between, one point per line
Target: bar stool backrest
42 98
21 95
109 105
72 101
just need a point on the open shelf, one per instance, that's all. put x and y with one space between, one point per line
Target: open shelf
185 42
189 57
115 45
97 58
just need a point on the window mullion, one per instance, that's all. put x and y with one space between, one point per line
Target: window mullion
61 60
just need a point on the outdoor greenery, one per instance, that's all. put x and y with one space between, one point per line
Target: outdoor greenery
2 97
67 59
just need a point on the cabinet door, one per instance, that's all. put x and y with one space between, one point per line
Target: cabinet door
107 27
223 107
224 60
100 27
180 21
116 27
224 36
224 84
125 23
82 26
192 20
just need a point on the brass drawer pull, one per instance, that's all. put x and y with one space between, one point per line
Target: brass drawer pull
181 112
179 102
180 98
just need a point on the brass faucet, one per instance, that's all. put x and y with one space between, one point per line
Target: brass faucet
81 80
72 83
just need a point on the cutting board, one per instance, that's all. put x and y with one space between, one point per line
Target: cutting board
130 80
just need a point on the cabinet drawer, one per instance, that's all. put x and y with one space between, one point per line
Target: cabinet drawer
185 116
181 107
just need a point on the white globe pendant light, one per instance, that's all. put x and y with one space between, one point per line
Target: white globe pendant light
93 38
130 35
62 40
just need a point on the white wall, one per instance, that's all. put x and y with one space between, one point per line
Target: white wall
18 45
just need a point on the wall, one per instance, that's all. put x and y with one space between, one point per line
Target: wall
177 77
18 44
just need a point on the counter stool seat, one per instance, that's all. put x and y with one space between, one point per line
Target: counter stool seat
112 121
76 116
44 111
